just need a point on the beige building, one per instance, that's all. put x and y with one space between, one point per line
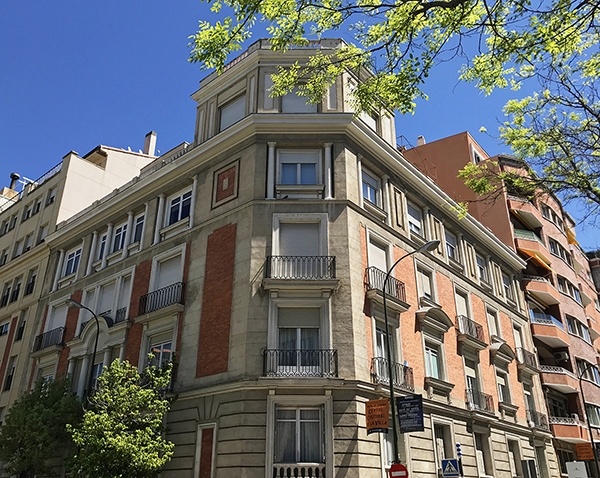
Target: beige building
255 258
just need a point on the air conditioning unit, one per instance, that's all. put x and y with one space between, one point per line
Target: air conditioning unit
561 356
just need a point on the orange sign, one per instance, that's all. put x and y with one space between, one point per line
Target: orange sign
377 413
584 451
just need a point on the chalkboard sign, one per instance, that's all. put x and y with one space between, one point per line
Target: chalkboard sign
410 413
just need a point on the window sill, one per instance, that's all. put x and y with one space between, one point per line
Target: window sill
66 280
507 408
438 386
114 257
134 247
175 228
374 209
299 191
456 264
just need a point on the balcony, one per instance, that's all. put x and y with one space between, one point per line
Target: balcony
531 244
525 211
549 330
559 378
541 289
161 298
479 401
470 333
395 290
594 328
300 363
304 272
538 420
402 374
569 429
527 362
300 470
49 339
121 315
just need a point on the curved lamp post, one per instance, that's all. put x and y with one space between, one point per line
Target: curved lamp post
73 304
428 246
587 418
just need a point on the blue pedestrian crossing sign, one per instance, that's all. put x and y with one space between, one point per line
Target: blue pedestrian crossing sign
450 468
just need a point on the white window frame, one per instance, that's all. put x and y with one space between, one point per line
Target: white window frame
483 271
239 101
166 255
320 218
436 341
455 256
300 401
118 239
505 377
497 326
140 218
306 156
508 287
413 223
437 420
294 100
419 266
373 183
169 204
76 256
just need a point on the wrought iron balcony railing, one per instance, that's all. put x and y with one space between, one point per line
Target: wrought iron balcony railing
477 400
538 420
48 339
375 278
301 267
300 363
161 298
470 327
402 374
526 357
121 315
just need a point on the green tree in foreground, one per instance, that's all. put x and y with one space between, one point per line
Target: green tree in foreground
34 430
121 434
502 43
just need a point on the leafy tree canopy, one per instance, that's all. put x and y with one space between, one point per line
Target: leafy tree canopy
34 430
502 44
121 435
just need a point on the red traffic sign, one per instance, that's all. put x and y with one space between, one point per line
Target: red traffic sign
398 470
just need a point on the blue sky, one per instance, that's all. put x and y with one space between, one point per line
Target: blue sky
75 74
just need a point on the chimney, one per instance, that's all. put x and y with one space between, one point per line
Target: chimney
14 177
421 140
150 143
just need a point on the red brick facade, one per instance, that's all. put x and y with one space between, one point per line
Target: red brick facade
206 451
70 332
213 342
141 284
9 341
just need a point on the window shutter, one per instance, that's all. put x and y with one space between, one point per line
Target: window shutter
470 260
497 277
437 231
399 209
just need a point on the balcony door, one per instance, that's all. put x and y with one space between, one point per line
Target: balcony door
169 272
381 353
472 380
299 250
299 342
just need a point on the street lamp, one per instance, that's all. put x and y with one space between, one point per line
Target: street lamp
73 304
428 246
587 418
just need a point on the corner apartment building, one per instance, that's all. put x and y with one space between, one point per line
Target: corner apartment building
561 298
26 218
255 258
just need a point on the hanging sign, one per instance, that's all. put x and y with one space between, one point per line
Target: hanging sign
410 413
377 413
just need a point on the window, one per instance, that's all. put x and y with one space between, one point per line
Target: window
27 243
577 328
415 219
5 294
72 262
451 246
560 251
593 414
425 283
27 212
587 371
433 360
36 206
564 456
119 237
549 214
299 341
557 406
514 455
371 188
18 249
4 228
444 447
462 303
493 322
299 167
294 103
232 112
482 452
503 390
508 287
472 381
10 373
13 222
179 208
482 272
51 196
4 328
101 247
138 229
567 288
43 233
298 435
22 323
16 289
31 278
162 354
3 257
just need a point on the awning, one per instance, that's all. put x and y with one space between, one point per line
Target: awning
537 258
